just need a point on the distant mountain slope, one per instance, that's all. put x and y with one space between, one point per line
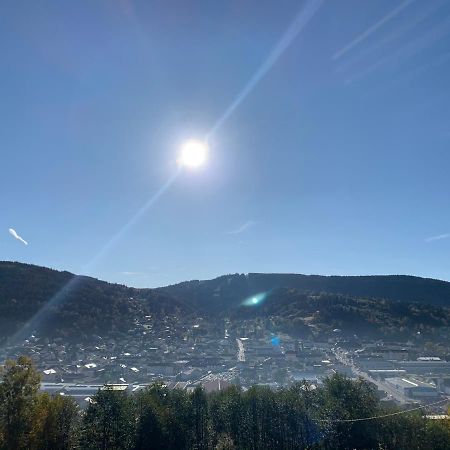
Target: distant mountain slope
310 315
77 307
229 291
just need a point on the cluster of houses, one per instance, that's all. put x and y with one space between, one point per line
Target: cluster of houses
183 353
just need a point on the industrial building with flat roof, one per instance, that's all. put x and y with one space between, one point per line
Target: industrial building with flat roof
413 388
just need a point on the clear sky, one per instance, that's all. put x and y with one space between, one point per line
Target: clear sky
334 160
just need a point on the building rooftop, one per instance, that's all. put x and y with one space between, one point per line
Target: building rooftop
407 383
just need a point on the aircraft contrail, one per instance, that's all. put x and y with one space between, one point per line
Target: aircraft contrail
395 34
244 227
412 48
371 29
14 234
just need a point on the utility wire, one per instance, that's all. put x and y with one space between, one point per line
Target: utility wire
362 419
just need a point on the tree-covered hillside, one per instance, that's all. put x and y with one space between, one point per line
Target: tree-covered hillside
77 307
307 315
229 290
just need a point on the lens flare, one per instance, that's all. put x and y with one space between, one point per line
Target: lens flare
255 300
275 341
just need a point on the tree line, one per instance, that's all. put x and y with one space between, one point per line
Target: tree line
301 416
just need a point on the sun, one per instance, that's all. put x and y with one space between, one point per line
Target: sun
193 153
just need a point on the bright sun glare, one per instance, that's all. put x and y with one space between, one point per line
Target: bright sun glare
193 153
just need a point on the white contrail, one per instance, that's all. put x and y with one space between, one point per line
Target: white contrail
411 49
394 35
14 234
244 227
371 29
438 237
299 23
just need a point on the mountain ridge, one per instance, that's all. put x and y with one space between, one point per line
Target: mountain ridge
78 306
392 287
283 274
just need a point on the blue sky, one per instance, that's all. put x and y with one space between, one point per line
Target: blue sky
335 161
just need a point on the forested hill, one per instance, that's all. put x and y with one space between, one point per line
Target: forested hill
79 307
230 290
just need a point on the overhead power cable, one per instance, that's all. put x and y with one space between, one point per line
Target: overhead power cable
397 413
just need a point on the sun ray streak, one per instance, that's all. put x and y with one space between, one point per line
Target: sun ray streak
299 23
37 320
150 202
